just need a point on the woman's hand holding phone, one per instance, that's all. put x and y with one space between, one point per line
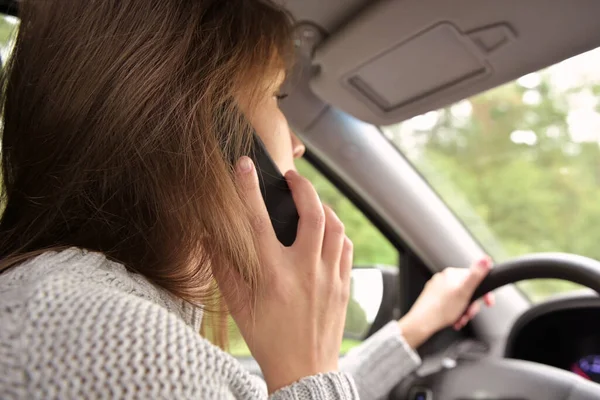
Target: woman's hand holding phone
294 327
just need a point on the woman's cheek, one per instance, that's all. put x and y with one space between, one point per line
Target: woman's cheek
272 127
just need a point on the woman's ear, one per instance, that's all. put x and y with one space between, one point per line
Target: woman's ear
298 148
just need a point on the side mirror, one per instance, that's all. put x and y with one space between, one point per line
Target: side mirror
374 300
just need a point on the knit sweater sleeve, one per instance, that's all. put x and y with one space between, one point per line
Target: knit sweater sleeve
88 340
380 362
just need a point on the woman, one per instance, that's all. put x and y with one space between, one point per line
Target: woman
124 222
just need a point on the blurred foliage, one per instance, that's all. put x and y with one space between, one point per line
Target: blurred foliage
8 29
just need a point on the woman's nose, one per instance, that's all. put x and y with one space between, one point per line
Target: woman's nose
298 147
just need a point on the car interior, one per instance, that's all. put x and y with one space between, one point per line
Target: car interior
371 75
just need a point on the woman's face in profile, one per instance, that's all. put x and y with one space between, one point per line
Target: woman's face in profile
272 127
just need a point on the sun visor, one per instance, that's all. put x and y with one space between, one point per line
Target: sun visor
440 59
403 58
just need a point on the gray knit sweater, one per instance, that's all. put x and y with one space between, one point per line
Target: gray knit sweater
74 325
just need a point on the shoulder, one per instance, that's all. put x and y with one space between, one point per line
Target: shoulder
92 339
83 338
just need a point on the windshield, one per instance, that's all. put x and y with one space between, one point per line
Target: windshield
519 164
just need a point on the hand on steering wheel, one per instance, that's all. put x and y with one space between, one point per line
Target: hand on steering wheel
443 302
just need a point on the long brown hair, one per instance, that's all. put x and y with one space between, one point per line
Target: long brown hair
119 124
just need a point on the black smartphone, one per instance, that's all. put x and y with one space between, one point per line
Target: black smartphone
276 194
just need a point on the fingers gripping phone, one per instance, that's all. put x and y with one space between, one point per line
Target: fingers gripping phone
276 194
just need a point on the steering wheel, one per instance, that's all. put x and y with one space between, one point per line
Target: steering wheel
497 378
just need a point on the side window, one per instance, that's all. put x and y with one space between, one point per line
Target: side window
370 247
8 30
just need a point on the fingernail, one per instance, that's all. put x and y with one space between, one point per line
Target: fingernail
484 262
290 174
245 164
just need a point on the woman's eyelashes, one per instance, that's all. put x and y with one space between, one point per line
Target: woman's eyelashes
281 96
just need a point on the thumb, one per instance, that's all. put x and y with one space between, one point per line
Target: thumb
477 272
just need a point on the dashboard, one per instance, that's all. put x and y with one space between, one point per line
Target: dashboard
563 333
588 367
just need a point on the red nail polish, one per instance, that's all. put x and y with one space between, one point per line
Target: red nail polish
484 262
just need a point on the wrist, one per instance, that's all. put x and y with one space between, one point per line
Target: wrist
278 378
415 330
